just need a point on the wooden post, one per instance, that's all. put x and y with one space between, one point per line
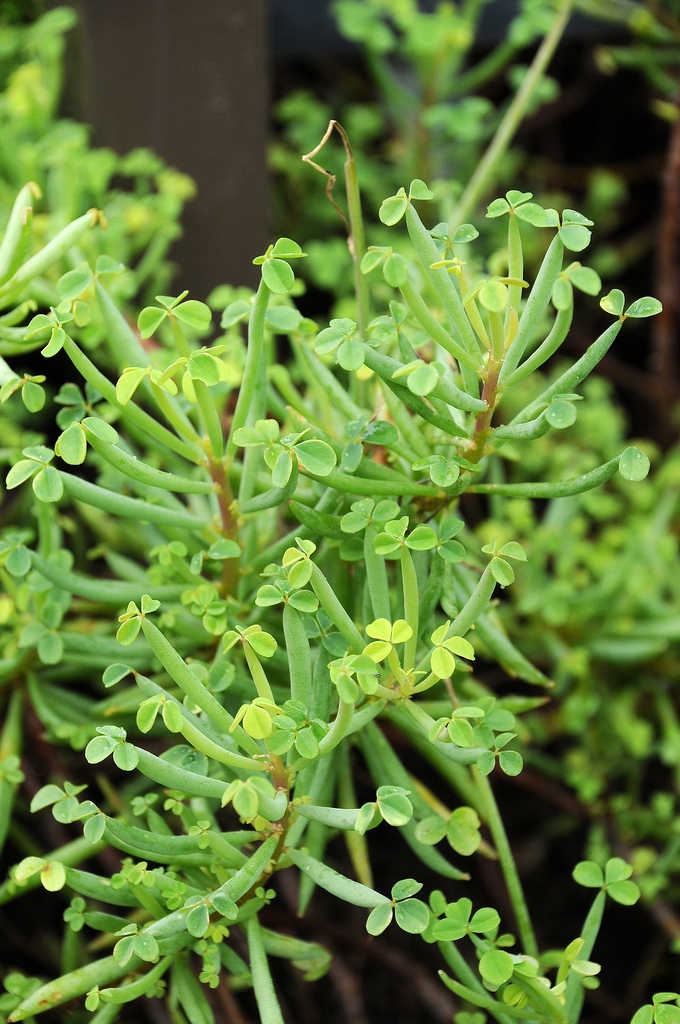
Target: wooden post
188 78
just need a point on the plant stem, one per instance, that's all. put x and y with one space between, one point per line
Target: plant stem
508 866
409 580
513 116
251 373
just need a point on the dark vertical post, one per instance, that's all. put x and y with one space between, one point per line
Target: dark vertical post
188 78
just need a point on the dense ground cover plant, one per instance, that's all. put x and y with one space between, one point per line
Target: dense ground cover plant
287 570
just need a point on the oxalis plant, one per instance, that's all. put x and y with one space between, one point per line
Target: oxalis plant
284 552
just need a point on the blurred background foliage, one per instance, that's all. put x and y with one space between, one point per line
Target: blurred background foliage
420 93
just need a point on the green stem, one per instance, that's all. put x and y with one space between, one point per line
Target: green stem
508 866
210 417
251 373
409 581
265 995
421 312
486 167
299 657
376 576
589 933
128 508
258 673
335 611
474 606
357 238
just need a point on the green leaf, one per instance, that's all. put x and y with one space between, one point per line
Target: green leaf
315 457
194 314
99 748
535 215
393 209
486 762
493 295
395 270
617 870
287 249
379 918
128 631
586 280
53 876
204 367
126 757
18 561
406 887
101 429
412 916
146 713
633 464
47 485
50 649
71 446
283 467
452 551
665 1014
423 379
236 312
350 354
502 571
257 722
485 920
497 208
575 236
282 319
561 414
262 643
613 302
512 549
442 662
224 548
373 257
626 893
149 320
72 284
496 967
93 829
589 874
128 383
465 233
108 265
278 276
146 947
33 396
419 190
423 538
460 732
431 830
44 797
646 306
20 472
515 197
463 832
172 717
114 673
511 762
562 293
307 744
645 1015
198 920
395 808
